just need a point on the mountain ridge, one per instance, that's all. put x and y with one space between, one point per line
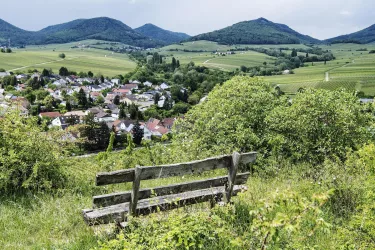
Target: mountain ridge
363 36
257 31
161 34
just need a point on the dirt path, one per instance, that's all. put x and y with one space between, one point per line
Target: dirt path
39 64
327 72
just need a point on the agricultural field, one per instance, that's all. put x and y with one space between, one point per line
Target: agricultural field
202 53
352 70
79 58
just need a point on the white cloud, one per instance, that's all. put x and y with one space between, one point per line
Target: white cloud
345 13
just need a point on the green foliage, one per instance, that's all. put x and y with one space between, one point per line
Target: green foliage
29 158
62 55
317 124
157 33
232 118
259 31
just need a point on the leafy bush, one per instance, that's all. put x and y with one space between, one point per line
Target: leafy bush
29 157
317 124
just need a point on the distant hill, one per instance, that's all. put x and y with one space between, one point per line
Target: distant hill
101 28
259 31
363 36
9 31
157 33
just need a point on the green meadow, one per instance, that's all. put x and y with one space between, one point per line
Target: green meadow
77 59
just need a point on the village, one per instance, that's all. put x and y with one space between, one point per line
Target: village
108 97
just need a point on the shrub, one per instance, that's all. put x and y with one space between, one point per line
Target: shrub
29 157
317 124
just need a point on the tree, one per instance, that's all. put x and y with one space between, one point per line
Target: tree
68 106
111 142
294 53
116 100
178 64
63 71
45 72
82 99
62 55
156 98
134 112
102 79
122 113
174 63
90 74
138 134
318 124
8 50
30 159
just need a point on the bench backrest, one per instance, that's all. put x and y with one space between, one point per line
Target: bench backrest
137 174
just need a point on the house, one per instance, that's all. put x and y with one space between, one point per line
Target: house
65 121
123 126
21 77
3 74
121 92
134 82
104 117
156 127
60 83
147 84
95 110
116 81
80 114
51 115
94 88
164 86
130 86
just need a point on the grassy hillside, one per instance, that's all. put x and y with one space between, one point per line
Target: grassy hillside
353 69
77 59
202 53
160 34
363 36
259 31
101 28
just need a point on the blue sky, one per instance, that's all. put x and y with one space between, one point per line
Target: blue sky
318 18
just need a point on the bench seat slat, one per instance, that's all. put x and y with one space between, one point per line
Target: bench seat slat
118 212
117 198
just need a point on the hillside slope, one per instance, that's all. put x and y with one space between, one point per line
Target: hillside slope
157 33
101 28
259 31
363 36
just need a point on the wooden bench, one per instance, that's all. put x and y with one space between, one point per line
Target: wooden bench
114 208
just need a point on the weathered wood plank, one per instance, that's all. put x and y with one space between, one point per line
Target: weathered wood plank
166 171
115 177
117 213
232 172
122 197
135 190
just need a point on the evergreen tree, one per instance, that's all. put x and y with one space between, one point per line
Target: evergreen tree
133 110
63 71
138 134
68 106
156 98
82 99
174 63
45 72
90 74
116 101
178 63
102 79
122 113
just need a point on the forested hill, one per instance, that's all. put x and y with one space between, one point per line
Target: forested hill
259 31
9 31
101 28
363 36
158 33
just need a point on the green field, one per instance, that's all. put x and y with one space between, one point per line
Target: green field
206 57
77 59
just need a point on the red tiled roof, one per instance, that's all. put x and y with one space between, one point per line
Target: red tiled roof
50 114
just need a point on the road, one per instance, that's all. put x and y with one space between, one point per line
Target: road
327 78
